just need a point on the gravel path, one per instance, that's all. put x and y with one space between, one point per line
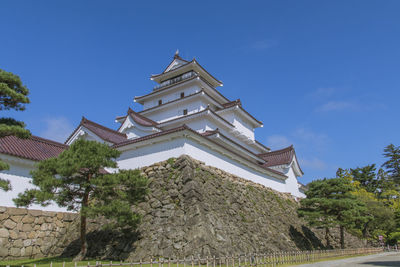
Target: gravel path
382 259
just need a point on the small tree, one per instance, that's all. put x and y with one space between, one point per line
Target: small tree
76 179
329 203
13 95
316 206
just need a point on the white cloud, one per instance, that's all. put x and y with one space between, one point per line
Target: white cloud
323 92
278 141
57 129
312 138
314 163
263 44
338 106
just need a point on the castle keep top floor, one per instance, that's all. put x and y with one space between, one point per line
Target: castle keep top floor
187 94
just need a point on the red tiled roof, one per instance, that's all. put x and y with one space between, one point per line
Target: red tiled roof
140 119
33 148
239 104
101 131
279 157
232 103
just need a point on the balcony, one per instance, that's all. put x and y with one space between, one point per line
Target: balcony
175 80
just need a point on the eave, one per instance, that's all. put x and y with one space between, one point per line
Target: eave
223 138
204 112
192 65
184 131
244 113
166 89
188 97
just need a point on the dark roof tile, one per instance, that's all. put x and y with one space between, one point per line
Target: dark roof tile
33 148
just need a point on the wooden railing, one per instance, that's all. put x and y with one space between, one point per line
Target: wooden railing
269 259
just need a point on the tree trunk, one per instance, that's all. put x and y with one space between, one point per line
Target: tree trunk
342 237
328 243
82 253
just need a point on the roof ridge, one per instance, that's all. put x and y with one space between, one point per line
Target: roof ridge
47 141
283 150
142 116
84 120
129 141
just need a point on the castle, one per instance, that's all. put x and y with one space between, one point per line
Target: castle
184 114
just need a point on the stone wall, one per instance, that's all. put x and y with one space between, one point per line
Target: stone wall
32 233
191 209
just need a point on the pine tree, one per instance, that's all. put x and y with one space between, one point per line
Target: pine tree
13 95
366 176
315 208
392 165
76 179
329 203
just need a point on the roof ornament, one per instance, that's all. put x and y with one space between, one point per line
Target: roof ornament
177 54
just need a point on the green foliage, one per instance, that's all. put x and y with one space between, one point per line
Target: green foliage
366 176
171 161
76 179
13 95
329 203
392 165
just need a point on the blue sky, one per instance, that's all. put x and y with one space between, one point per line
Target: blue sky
322 75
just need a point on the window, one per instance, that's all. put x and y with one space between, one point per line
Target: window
185 112
160 102
182 95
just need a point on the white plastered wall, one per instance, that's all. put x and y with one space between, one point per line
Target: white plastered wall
171 95
20 179
150 154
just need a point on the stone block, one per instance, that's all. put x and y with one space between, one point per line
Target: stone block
69 217
4 233
48 219
60 215
39 220
17 211
49 213
15 252
3 209
28 251
9 224
35 213
3 252
32 235
27 227
22 235
59 223
14 234
16 218
28 219
17 243
3 216
27 242
4 242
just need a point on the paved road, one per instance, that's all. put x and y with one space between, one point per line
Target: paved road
382 259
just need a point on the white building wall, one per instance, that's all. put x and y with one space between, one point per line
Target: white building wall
20 179
171 95
176 110
292 184
244 127
151 154
183 146
240 125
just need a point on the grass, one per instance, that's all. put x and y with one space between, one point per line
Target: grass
326 259
67 262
